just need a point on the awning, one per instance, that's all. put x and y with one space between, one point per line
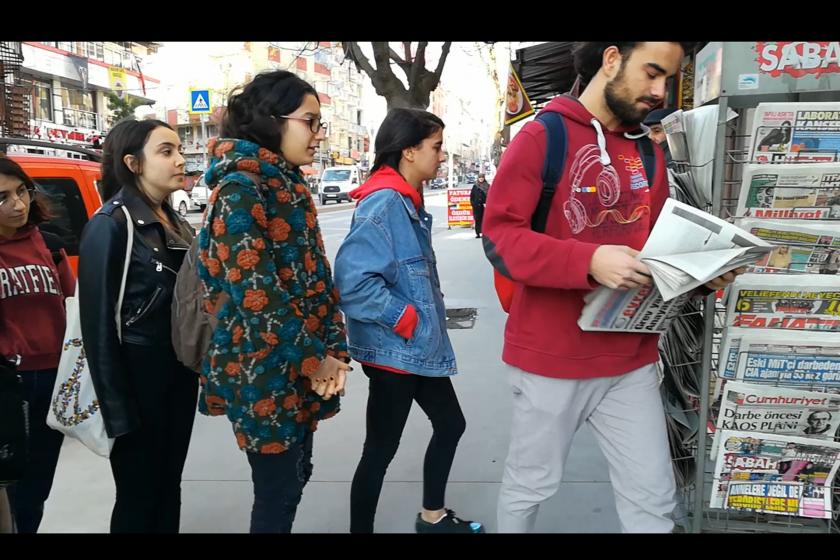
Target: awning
545 70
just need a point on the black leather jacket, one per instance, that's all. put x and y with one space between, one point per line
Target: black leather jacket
145 315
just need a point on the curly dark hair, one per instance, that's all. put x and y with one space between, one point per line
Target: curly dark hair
588 56
39 207
252 109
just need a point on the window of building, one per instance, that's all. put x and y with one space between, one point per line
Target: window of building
42 101
359 116
77 99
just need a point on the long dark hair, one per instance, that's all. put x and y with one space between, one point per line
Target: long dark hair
39 207
250 112
128 137
401 129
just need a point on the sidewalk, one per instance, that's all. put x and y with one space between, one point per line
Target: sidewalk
217 491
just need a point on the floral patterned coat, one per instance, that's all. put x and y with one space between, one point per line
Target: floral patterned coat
261 245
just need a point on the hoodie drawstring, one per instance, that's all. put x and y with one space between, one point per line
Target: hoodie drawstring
602 143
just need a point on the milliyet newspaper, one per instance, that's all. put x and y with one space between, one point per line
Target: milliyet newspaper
790 191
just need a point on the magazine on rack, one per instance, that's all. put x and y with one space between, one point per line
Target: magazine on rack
778 410
800 246
806 302
804 132
790 191
686 249
778 474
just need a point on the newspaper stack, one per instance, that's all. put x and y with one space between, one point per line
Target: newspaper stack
778 410
790 191
779 357
778 474
686 249
796 132
806 302
801 247
691 141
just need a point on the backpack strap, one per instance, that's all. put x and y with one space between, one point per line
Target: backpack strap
555 159
54 245
645 147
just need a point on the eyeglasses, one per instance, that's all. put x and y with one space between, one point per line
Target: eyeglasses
23 192
315 123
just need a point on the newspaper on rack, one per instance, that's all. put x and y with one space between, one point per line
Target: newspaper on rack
686 249
800 246
790 191
779 357
777 410
778 474
691 141
806 302
805 132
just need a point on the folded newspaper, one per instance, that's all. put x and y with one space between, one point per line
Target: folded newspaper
778 474
686 249
777 410
800 246
806 302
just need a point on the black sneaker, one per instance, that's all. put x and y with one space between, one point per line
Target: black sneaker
449 523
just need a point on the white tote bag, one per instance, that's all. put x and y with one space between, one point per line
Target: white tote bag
74 409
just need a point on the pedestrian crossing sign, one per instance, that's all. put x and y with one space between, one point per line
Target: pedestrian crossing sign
199 101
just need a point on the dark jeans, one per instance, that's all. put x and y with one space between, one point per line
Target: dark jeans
278 486
478 213
389 401
27 496
148 463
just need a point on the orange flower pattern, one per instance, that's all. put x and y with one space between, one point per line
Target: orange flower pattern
262 246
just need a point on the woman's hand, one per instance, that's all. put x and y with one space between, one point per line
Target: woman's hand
330 377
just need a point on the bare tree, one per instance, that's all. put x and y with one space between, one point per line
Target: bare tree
421 81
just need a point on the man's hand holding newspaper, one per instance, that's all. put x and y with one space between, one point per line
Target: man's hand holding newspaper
617 268
687 249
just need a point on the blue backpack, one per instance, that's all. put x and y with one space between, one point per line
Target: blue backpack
555 159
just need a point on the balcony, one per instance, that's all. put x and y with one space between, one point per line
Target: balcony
82 119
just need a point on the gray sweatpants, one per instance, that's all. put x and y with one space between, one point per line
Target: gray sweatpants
625 412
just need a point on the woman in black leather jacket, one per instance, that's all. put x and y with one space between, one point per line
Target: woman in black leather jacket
147 397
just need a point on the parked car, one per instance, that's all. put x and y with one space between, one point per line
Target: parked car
180 201
200 194
337 182
70 183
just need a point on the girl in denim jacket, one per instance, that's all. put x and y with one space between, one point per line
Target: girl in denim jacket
396 320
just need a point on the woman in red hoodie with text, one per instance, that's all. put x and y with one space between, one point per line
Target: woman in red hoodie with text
33 284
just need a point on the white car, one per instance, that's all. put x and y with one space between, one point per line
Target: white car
199 195
180 201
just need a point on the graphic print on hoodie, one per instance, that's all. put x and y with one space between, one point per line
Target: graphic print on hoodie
32 292
603 197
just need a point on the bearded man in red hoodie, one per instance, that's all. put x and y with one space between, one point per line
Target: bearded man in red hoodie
601 215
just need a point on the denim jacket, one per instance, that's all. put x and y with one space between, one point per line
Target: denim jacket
385 263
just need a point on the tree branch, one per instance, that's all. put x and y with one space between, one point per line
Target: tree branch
418 68
354 51
443 54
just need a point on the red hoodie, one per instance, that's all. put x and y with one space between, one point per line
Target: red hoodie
32 292
389 178
594 205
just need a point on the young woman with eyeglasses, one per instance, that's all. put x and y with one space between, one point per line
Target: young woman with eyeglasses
35 277
277 360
